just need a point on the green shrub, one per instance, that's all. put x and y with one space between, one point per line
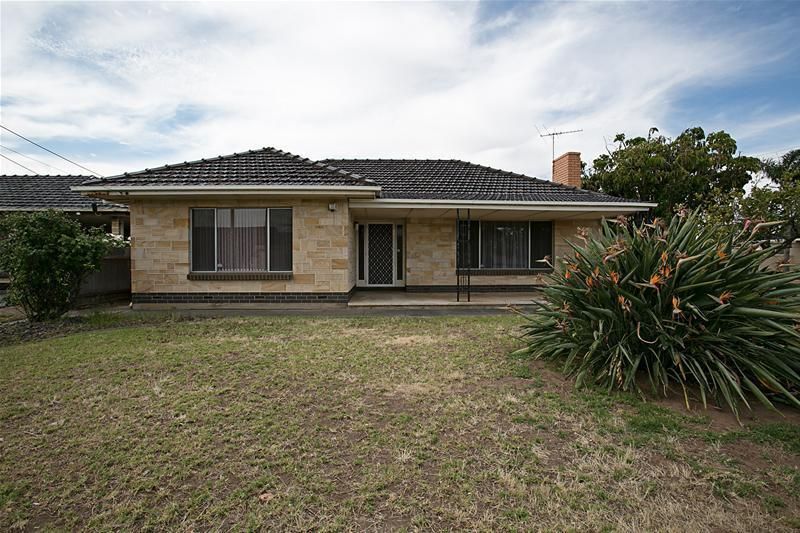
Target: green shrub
670 304
47 256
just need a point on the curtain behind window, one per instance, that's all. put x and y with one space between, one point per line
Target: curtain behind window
504 245
280 240
241 240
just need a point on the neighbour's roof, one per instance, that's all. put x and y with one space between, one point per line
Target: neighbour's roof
34 193
266 166
451 179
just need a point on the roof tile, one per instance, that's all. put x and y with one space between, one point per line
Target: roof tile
266 166
452 179
28 193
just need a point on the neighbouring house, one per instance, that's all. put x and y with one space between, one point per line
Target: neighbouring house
20 193
268 228
38 193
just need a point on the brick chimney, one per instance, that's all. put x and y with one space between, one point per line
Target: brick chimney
567 169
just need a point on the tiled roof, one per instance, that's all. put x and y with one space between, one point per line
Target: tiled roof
31 193
266 166
450 179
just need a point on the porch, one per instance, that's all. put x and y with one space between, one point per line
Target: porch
401 298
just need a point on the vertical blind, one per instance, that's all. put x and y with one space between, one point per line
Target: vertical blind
241 240
497 244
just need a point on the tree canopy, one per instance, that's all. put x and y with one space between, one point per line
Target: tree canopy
684 171
779 197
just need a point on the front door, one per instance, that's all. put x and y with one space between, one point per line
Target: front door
380 255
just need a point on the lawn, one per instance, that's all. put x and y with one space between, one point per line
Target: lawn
297 423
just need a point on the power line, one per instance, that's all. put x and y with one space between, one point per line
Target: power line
33 159
19 164
52 152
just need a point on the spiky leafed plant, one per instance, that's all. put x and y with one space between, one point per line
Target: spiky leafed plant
671 304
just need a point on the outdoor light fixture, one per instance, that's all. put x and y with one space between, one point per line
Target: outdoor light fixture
332 206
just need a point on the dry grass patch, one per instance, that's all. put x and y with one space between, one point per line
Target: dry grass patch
334 424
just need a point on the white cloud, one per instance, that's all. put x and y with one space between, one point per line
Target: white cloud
354 79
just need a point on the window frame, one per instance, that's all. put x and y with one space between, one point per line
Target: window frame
531 266
267 251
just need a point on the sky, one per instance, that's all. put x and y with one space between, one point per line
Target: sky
126 86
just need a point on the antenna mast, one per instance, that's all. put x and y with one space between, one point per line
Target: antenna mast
553 136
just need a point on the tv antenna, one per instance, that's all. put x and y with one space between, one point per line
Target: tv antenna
553 136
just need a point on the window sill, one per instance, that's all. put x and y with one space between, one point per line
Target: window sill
239 276
504 271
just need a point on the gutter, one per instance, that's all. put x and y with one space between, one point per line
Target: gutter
397 203
182 190
64 209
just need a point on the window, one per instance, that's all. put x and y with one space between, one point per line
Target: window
542 244
241 240
399 251
361 251
505 245
468 244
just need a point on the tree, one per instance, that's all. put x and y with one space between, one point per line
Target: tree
671 172
778 198
47 256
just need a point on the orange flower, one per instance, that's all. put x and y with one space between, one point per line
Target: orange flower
676 303
624 303
589 282
725 297
655 279
614 277
664 257
666 271
721 254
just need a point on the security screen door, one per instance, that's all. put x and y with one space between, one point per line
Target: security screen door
380 242
381 252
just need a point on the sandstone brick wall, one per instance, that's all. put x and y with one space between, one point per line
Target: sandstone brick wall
431 253
322 248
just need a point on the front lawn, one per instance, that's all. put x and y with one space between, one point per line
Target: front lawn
360 423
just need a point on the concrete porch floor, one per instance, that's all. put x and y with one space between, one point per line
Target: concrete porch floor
400 298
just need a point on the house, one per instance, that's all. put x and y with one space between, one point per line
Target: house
269 228
37 193
41 192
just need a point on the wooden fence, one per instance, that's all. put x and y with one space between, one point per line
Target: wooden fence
111 282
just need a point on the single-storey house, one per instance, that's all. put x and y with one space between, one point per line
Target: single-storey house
20 193
269 228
